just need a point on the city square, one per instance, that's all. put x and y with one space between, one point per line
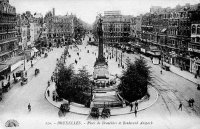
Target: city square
76 75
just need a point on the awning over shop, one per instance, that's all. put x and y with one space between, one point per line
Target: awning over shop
13 63
35 50
163 30
3 67
14 60
28 43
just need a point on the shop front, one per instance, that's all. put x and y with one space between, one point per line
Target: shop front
4 69
184 63
155 56
195 66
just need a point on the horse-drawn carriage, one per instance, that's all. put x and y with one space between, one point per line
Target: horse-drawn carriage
21 76
94 113
24 81
6 87
105 113
64 108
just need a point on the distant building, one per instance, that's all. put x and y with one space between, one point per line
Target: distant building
112 13
60 29
116 28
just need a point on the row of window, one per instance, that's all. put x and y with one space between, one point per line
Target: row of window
116 25
7 47
6 36
115 34
7 8
195 39
173 23
195 29
172 32
56 35
6 28
7 19
194 46
116 29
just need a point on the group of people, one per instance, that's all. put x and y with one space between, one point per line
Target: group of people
191 102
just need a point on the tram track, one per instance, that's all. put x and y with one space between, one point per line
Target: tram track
165 85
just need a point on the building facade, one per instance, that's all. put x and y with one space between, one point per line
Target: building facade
175 32
116 28
194 44
8 39
60 29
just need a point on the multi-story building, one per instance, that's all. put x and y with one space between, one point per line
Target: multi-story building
116 28
135 28
35 30
8 39
175 32
60 29
194 44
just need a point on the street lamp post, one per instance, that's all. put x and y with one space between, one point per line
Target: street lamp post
116 55
112 51
121 58
91 92
24 59
24 62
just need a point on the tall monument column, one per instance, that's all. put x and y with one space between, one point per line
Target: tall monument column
100 34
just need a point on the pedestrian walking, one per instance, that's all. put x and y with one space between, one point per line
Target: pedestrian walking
48 93
14 76
160 71
53 97
9 78
52 78
131 105
136 105
148 96
135 112
192 102
48 83
189 102
180 106
29 107
2 84
26 73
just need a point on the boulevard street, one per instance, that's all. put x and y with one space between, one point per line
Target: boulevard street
171 87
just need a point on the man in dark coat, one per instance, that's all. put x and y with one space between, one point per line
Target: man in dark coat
131 105
136 105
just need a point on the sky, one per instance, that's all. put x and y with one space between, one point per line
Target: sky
87 10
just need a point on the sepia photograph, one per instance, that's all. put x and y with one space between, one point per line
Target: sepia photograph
100 64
